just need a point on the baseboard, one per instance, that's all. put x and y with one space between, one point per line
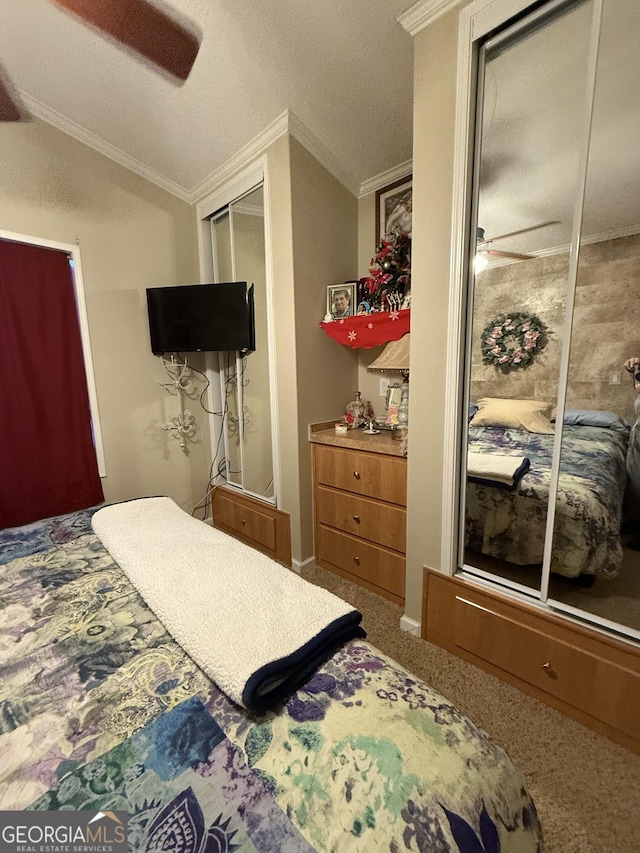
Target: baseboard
298 566
410 625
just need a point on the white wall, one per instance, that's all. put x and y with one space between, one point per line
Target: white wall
132 235
325 245
435 52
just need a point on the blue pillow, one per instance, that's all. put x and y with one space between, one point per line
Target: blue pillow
594 418
473 408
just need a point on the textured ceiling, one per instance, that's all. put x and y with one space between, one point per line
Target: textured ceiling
344 68
537 119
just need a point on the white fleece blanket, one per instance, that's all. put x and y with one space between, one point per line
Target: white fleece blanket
255 627
497 468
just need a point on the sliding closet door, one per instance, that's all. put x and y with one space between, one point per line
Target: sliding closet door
247 217
229 365
557 211
239 255
604 334
531 118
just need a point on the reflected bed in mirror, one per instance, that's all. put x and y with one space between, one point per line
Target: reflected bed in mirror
510 523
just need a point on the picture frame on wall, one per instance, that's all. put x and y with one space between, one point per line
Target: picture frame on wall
341 300
394 205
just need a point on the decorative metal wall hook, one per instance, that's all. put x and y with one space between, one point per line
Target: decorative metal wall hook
181 424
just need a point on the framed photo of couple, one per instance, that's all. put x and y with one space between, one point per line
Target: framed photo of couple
394 205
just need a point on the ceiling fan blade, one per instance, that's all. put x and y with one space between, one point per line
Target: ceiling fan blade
11 108
522 230
144 27
515 255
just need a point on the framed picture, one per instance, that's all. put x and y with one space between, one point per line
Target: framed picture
341 299
393 208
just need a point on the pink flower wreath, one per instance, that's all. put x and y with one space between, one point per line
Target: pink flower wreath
513 340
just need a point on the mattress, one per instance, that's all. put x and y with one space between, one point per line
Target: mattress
102 710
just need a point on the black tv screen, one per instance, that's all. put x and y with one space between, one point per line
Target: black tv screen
201 318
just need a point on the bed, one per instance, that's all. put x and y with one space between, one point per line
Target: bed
103 710
509 523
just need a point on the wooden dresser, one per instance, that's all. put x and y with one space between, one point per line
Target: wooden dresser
585 674
255 522
360 496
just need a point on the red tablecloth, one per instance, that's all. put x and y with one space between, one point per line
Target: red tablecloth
369 330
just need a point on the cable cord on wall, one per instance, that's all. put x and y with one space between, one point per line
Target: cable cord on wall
221 468
221 472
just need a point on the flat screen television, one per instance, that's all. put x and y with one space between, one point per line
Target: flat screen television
201 318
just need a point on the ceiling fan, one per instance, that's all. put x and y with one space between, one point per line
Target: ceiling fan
140 25
483 247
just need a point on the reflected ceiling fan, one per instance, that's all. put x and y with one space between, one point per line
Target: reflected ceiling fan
157 36
484 250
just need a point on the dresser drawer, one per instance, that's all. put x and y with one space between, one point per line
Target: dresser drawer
255 522
377 565
569 673
370 474
585 674
249 522
381 523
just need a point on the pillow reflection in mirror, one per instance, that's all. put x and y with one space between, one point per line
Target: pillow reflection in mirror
594 418
529 415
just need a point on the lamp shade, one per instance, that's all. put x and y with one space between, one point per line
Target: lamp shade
395 356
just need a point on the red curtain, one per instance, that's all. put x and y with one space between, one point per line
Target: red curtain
48 463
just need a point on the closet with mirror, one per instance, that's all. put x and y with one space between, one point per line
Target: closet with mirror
554 311
239 255
244 451
547 522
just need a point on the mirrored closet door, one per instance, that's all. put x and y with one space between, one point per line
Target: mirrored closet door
239 255
554 313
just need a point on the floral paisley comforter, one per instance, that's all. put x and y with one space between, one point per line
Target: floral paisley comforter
510 525
101 709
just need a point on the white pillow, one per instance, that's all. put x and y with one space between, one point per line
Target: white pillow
529 415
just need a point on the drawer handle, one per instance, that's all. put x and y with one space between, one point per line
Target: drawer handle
550 670
546 665
243 522
356 518
356 474
356 560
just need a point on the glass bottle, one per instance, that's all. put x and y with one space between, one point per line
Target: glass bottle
355 412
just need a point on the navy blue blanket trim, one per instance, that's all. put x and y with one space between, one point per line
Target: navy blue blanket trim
518 474
276 680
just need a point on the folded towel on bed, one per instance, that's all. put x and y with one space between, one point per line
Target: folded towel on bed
496 469
255 627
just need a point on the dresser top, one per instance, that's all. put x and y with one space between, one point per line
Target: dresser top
355 439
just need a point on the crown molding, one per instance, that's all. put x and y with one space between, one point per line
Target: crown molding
286 122
242 158
614 234
248 209
382 180
592 239
319 150
66 125
423 13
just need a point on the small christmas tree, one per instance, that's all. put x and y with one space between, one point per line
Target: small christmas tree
390 273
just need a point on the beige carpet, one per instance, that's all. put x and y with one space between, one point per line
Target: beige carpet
586 788
616 599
